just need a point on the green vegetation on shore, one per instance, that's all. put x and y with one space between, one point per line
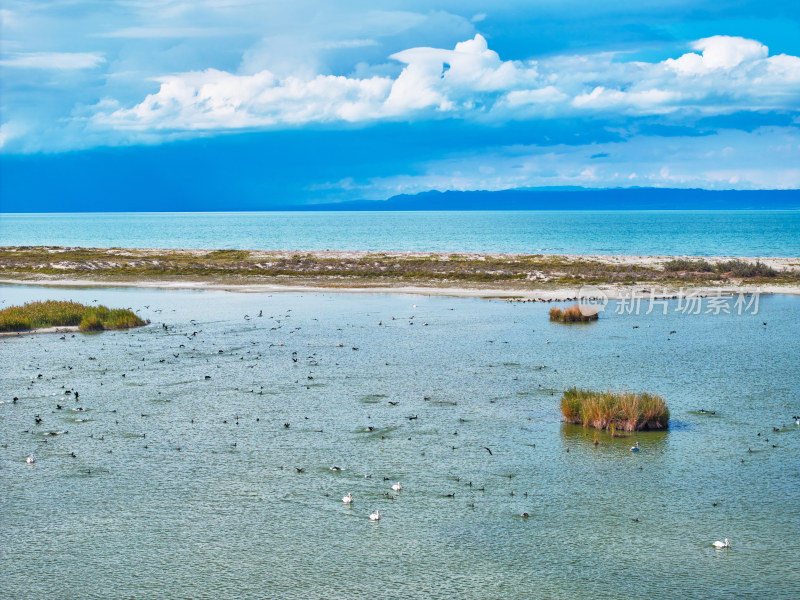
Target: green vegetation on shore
624 411
732 268
346 269
63 313
573 314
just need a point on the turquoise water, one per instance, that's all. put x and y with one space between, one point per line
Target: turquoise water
170 495
703 233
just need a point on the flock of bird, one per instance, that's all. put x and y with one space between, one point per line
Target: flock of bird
349 499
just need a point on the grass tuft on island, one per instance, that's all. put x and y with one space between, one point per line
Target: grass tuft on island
64 313
573 314
732 268
624 411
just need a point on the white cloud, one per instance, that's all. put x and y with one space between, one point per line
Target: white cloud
718 52
9 131
472 82
6 18
751 161
214 99
168 32
336 44
63 61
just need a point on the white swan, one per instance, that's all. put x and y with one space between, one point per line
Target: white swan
31 459
375 516
635 448
720 545
397 487
348 499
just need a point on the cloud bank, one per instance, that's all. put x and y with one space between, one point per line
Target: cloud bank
722 75
61 61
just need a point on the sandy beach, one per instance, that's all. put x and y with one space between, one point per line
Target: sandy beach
542 278
62 329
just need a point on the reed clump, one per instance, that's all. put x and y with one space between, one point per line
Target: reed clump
65 313
573 314
626 411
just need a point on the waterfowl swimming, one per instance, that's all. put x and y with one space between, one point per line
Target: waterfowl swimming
375 516
348 499
720 545
635 448
31 459
397 487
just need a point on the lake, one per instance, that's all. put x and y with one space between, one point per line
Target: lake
701 233
203 451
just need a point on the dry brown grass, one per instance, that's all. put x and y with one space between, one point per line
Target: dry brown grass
573 314
626 411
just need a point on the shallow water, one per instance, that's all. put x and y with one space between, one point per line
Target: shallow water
678 232
159 502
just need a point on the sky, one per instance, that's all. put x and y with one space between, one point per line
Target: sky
215 104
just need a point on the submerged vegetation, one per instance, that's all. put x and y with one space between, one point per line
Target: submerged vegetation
624 411
573 314
63 313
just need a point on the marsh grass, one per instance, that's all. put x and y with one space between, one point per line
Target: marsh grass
64 313
572 314
624 411
227 254
731 268
741 268
684 264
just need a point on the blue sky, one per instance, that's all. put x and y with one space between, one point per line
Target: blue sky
238 103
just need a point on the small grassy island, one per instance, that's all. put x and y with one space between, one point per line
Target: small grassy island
625 411
573 314
62 313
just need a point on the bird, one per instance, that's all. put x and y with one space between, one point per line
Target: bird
635 448
348 499
719 545
488 450
397 487
375 516
31 459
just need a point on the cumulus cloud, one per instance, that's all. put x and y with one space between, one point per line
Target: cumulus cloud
452 79
718 52
62 61
214 99
724 74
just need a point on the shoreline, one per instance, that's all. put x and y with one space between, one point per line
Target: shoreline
513 277
57 329
562 294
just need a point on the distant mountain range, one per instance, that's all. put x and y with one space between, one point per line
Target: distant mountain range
550 198
576 198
